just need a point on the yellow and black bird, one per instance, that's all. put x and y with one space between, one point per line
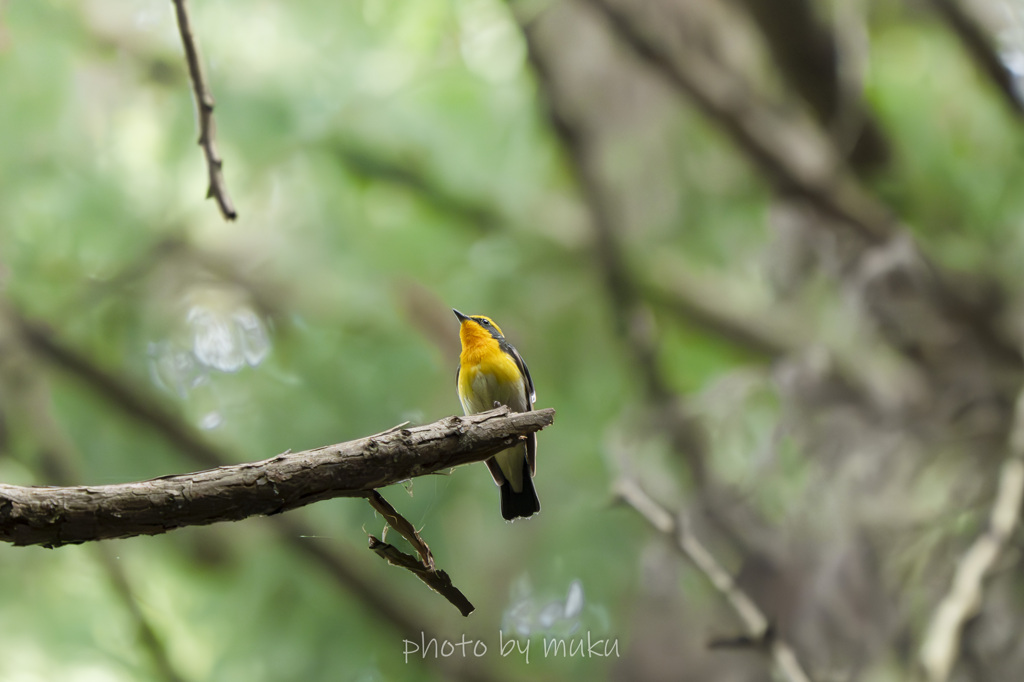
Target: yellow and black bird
492 372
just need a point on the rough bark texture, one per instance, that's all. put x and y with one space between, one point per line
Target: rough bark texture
54 516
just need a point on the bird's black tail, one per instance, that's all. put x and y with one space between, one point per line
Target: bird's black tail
522 504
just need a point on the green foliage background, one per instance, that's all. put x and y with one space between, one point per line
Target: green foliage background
389 160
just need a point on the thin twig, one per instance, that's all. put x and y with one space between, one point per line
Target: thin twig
404 528
941 645
677 529
204 109
434 578
424 569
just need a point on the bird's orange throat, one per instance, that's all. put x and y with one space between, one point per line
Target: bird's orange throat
477 343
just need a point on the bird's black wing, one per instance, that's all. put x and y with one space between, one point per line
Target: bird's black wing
531 394
531 398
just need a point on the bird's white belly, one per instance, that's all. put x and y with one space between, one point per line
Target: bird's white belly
486 390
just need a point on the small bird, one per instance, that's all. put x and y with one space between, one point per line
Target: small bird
491 373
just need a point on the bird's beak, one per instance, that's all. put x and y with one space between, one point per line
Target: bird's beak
462 318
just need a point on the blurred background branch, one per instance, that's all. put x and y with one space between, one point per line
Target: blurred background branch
813 57
942 645
27 395
793 155
677 529
630 315
979 45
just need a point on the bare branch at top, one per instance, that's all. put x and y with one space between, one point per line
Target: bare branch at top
204 109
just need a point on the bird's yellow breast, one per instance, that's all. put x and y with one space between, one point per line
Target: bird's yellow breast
498 364
488 374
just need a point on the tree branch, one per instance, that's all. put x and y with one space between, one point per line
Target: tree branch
402 525
941 645
433 577
138 404
793 155
797 159
204 110
54 516
677 529
764 336
629 311
978 45
402 170
424 568
810 56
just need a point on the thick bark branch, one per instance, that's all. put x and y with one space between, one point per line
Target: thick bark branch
54 516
